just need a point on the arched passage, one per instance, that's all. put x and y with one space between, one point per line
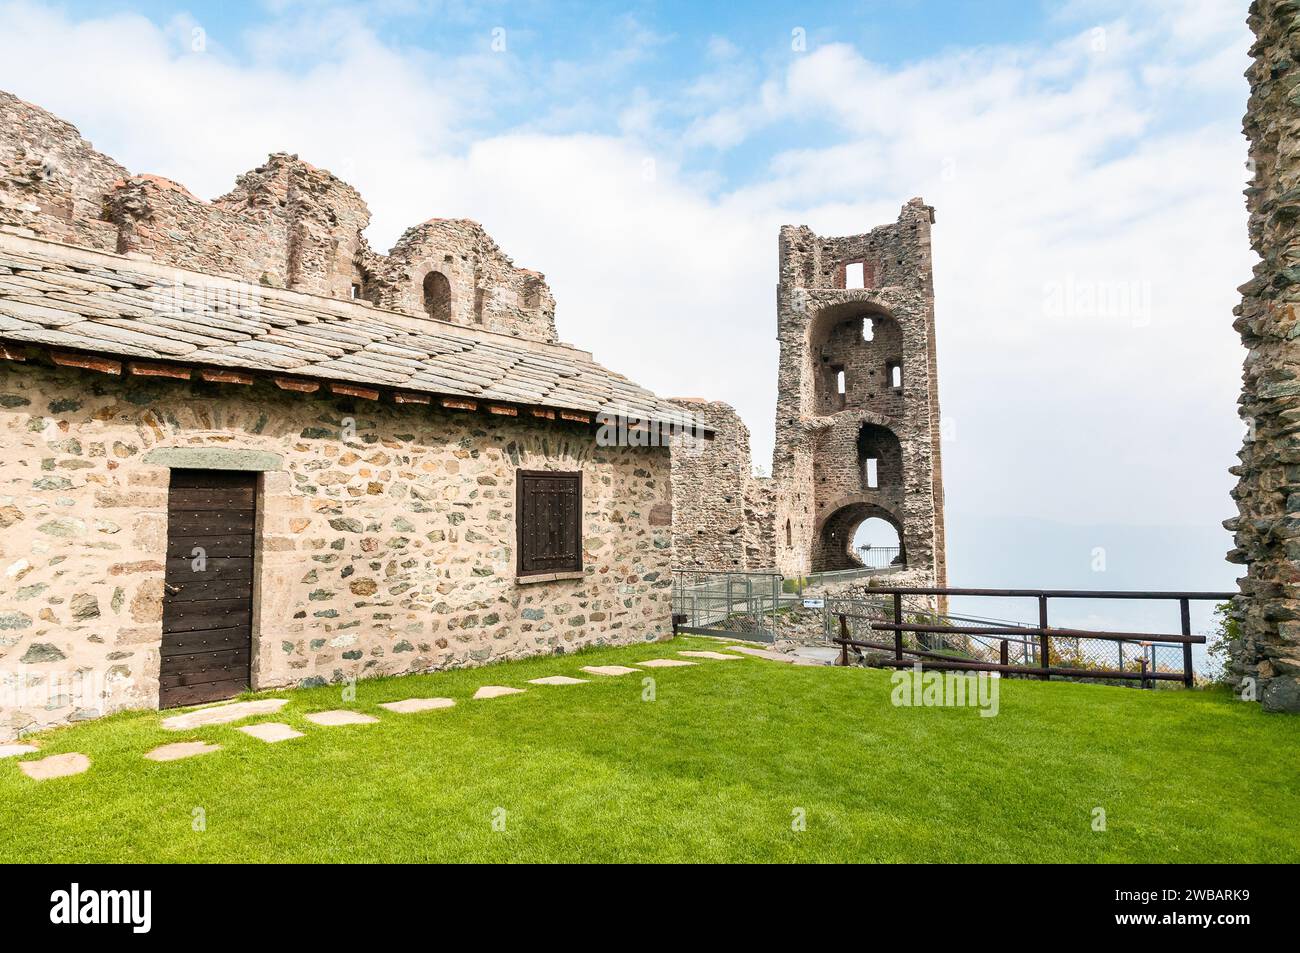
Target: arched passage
837 534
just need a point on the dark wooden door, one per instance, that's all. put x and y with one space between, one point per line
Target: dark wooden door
208 605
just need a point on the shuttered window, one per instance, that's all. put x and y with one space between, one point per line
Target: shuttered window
549 512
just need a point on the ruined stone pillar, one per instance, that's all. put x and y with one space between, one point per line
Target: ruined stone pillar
1267 528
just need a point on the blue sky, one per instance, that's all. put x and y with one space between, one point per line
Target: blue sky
643 156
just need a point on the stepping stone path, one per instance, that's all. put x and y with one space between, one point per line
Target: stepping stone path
410 706
271 731
222 714
55 766
609 669
340 716
772 656
12 751
496 691
557 680
721 657
665 663
182 749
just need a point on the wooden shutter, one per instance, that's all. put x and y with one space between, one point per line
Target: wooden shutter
549 515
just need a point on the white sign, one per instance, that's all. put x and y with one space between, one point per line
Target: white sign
814 603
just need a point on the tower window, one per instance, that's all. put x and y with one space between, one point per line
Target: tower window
868 329
437 296
895 376
871 474
789 539
839 381
855 275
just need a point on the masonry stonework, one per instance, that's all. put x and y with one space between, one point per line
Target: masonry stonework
1267 527
857 418
722 513
386 552
286 224
383 404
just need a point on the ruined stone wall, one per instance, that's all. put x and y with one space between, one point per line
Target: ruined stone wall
826 329
52 181
286 224
160 219
487 290
386 553
1267 529
722 513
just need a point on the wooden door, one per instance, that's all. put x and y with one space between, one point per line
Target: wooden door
208 602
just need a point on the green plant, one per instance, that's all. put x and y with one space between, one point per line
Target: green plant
1226 631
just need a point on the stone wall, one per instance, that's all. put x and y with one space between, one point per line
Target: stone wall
386 552
722 513
1267 528
52 181
286 224
486 289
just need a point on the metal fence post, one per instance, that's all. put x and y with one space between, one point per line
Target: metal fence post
1185 610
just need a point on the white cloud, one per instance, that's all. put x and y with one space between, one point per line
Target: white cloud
1049 164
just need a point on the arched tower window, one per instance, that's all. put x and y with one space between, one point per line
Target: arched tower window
437 296
857 356
789 539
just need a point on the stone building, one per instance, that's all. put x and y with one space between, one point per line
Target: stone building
857 418
238 447
1267 531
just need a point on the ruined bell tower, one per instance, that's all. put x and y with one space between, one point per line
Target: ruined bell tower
857 420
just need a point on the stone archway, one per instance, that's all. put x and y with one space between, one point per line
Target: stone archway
834 536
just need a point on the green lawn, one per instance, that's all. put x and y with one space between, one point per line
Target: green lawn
714 769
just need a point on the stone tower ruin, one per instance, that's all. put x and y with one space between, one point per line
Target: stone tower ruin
1266 654
857 414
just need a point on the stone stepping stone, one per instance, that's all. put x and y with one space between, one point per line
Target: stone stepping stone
340 716
557 680
55 766
181 749
772 656
496 691
609 669
720 656
665 663
12 751
410 706
222 714
270 731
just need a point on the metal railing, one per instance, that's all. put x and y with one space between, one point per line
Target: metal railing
949 642
880 557
738 604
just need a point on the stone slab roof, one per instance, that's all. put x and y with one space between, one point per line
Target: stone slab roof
67 297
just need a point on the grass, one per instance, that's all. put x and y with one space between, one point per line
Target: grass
714 769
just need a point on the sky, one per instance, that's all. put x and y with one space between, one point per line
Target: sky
1085 161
